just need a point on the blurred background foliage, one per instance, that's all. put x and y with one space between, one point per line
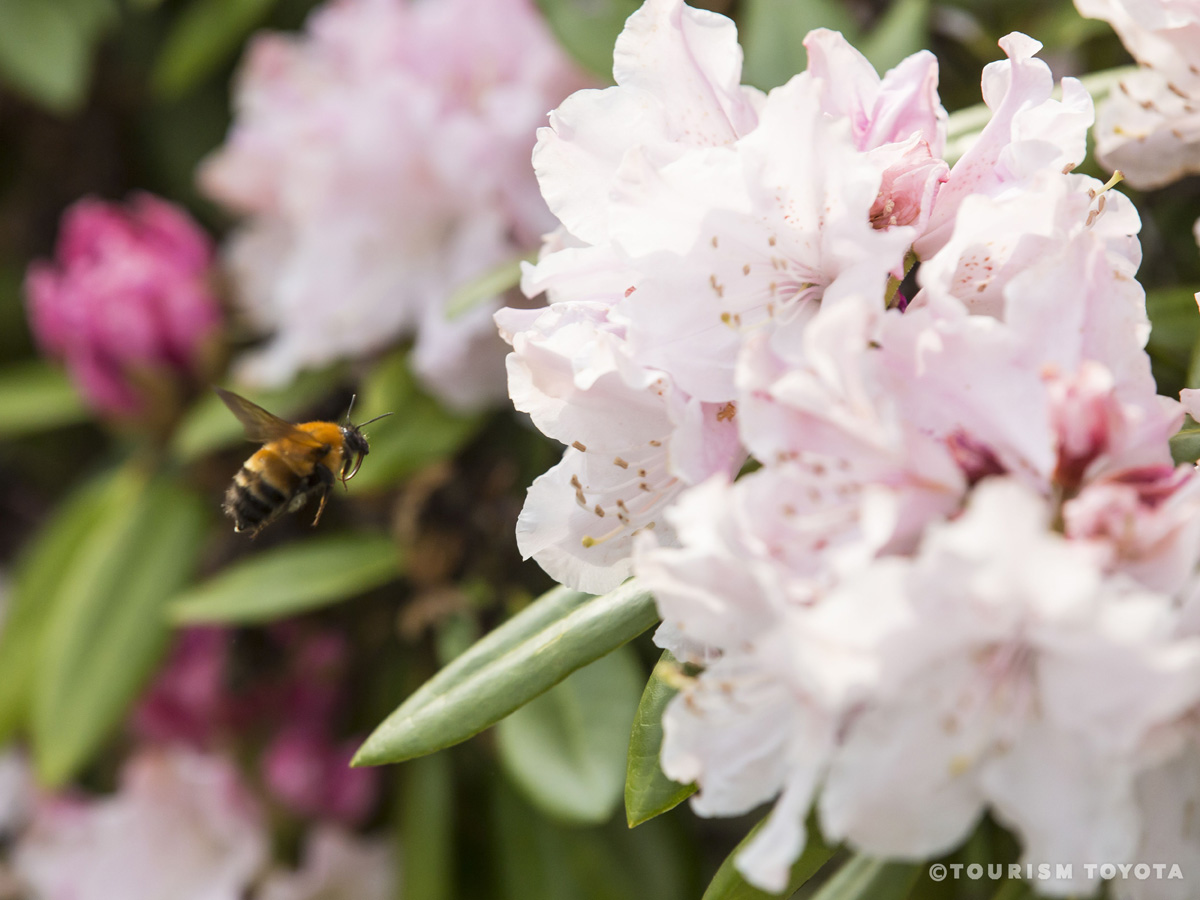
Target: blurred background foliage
112 537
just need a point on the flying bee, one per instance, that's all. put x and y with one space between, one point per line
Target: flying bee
296 462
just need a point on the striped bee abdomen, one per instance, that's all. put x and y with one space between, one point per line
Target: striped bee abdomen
253 502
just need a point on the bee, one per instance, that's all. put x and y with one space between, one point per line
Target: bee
296 463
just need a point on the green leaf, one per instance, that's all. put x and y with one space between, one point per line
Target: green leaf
209 425
864 878
728 884
528 655
773 34
46 48
588 29
36 593
492 283
1185 443
566 749
419 432
648 792
901 31
427 828
290 580
538 858
205 36
35 396
1175 328
108 627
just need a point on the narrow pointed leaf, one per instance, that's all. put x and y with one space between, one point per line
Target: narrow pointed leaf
865 878
110 627
728 883
36 594
492 283
485 688
204 37
566 749
426 816
587 29
36 396
901 31
648 792
773 32
290 580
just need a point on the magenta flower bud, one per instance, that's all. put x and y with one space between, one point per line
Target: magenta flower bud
311 776
127 294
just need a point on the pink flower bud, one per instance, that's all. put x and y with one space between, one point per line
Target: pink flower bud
127 293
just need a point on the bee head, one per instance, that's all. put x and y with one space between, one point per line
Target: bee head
356 446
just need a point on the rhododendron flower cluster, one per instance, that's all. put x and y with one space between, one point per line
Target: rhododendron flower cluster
127 300
962 579
381 160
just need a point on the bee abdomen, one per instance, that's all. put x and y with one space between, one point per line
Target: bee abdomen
251 501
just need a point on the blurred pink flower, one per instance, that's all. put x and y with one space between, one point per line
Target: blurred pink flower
127 292
382 160
311 775
181 826
187 702
336 864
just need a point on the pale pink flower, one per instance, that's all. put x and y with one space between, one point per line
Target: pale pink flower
181 826
1029 133
1149 128
337 865
382 161
127 298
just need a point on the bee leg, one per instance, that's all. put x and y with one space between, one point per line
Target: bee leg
325 481
321 507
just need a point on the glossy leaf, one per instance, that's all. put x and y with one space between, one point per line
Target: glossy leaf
419 432
648 792
587 29
865 878
210 425
109 626
773 31
485 685
902 30
1185 443
46 48
290 580
566 749
728 883
36 396
205 36
36 594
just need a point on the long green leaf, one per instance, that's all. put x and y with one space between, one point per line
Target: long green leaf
728 883
648 792
566 749
588 29
901 31
290 580
486 686
492 283
865 878
36 594
205 36
1185 443
773 33
36 396
109 628
45 47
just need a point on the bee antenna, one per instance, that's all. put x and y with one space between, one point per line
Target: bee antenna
349 408
376 419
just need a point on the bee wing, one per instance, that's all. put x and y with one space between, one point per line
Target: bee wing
262 426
